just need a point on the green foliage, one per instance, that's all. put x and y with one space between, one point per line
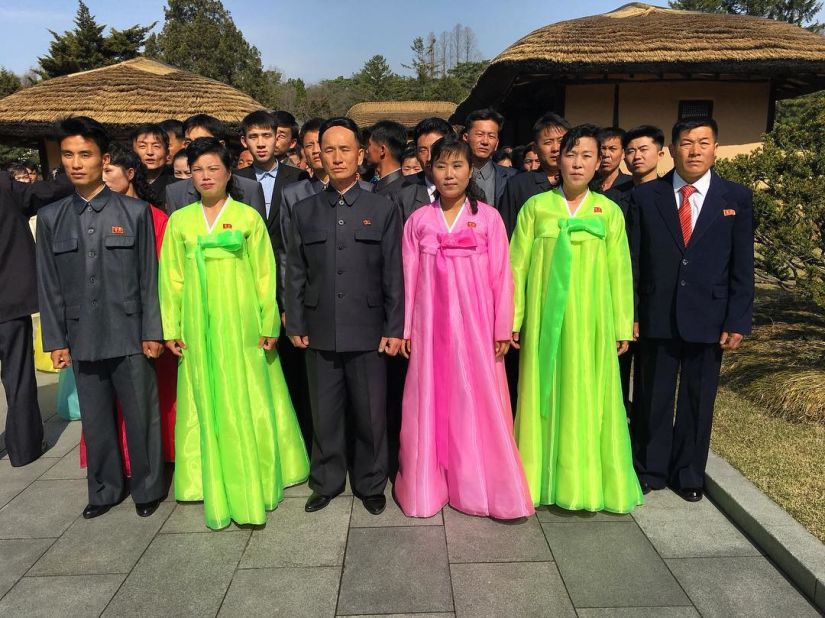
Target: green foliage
86 47
799 12
9 82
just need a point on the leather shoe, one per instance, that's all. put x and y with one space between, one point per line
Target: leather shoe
316 502
690 494
646 488
375 504
144 509
95 510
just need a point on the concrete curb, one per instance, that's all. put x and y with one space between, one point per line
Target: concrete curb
795 550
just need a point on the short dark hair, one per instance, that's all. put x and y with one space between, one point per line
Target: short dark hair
339 121
173 126
487 113
572 137
606 133
260 118
501 154
694 123
409 153
391 134
85 127
206 145
285 120
155 130
181 154
644 130
432 125
548 121
313 124
204 121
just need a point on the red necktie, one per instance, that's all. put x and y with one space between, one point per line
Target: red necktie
685 216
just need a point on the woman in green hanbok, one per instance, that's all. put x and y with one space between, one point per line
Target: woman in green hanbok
236 436
573 315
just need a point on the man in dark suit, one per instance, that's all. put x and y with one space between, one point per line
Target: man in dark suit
384 149
610 174
99 309
345 305
180 194
420 189
151 143
692 251
481 130
18 301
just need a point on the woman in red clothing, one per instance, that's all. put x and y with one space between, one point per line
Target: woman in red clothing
127 175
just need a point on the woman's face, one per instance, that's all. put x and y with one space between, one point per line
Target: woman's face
579 164
451 175
181 168
210 176
117 178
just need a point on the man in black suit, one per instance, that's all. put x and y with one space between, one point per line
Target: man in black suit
692 250
610 174
286 135
481 130
345 305
420 189
151 143
18 301
385 147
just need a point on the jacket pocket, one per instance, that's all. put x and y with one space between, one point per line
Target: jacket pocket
368 235
311 297
72 312
720 291
116 241
310 237
374 299
64 245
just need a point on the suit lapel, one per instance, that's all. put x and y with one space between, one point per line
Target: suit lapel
711 208
666 204
422 196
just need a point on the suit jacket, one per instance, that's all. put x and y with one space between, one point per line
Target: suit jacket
182 193
412 196
345 286
18 273
620 193
390 184
98 276
697 292
518 190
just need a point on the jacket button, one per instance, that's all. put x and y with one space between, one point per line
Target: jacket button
340 295
340 222
91 230
340 272
91 280
340 247
684 262
683 283
92 254
94 303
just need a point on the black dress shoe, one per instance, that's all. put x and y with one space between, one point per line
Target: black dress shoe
646 488
375 504
95 510
690 494
316 502
144 509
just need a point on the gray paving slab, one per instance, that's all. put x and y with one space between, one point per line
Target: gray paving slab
112 543
62 435
67 467
481 539
748 586
392 516
180 575
17 556
288 592
557 515
524 589
293 537
424 615
15 480
639 612
44 509
188 517
680 529
395 570
606 564
74 596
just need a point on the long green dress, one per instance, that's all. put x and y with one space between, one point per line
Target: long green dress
237 440
573 302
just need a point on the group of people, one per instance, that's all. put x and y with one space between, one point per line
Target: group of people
484 337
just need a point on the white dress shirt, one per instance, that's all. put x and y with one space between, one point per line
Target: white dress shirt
697 199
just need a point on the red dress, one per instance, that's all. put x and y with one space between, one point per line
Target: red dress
166 369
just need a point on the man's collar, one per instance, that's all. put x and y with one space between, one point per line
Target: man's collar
262 172
486 170
702 185
349 196
100 199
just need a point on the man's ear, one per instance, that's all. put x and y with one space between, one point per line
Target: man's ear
293 143
360 157
243 141
106 158
222 141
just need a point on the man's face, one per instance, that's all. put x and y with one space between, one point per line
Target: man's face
312 150
284 140
548 146
341 154
483 139
642 156
151 150
531 161
82 161
194 133
612 154
410 166
375 152
175 144
694 153
260 143
422 150
245 159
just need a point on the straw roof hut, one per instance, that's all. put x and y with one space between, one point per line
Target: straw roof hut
643 63
121 97
408 113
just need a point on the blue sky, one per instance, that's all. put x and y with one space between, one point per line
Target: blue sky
319 39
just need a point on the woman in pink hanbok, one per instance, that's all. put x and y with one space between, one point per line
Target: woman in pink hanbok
457 443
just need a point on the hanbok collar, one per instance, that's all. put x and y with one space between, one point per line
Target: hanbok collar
567 203
209 228
449 227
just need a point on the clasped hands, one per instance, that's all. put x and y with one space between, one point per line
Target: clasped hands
500 348
388 345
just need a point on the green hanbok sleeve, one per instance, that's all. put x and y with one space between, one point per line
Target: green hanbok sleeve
620 272
262 261
170 279
521 250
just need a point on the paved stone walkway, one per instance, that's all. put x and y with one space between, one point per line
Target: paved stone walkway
669 559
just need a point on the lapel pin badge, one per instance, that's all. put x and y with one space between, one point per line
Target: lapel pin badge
471 223
597 209
116 229
227 226
366 222
728 212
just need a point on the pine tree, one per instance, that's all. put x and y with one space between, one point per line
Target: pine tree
799 12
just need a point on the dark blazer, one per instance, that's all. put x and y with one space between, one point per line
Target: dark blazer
503 176
620 194
182 193
18 274
390 184
519 189
412 196
97 276
697 292
345 286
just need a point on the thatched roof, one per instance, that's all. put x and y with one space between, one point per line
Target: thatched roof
408 113
120 96
638 41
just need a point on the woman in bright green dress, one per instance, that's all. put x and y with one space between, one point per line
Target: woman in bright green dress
236 436
573 317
